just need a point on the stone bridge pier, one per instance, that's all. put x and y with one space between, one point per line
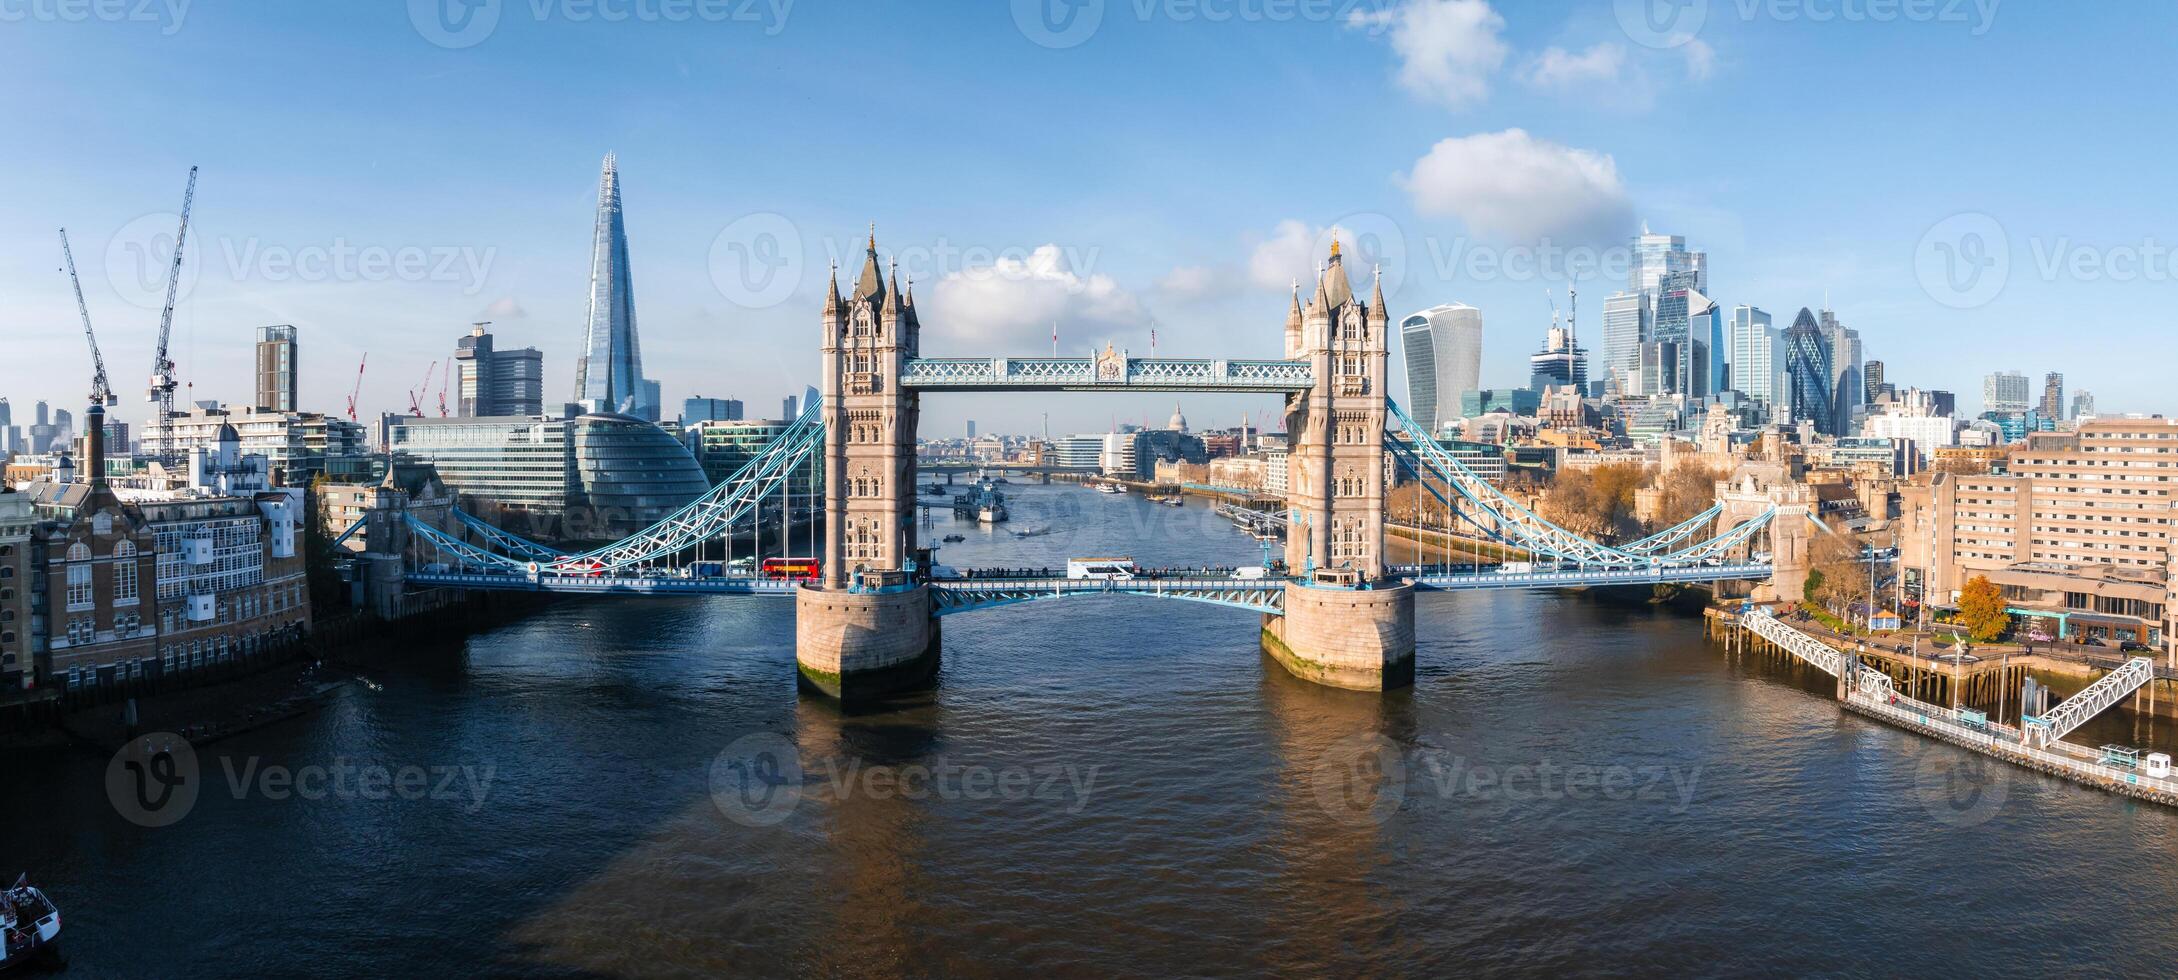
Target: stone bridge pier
866 629
1345 623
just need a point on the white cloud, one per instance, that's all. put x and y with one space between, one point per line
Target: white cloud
1559 69
505 308
1012 303
1701 59
1513 187
1286 257
1448 49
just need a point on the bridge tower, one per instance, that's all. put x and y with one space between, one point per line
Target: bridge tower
1790 533
1345 623
867 628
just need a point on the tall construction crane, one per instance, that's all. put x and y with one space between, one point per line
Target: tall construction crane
444 380
101 392
162 366
416 394
358 389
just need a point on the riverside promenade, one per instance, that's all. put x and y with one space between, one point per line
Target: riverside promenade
1868 692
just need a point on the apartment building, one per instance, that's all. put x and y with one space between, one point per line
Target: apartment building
2077 530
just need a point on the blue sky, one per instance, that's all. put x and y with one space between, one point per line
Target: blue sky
1175 162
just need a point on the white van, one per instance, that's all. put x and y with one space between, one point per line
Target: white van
1251 571
1107 569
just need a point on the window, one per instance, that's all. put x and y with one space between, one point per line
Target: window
79 586
124 573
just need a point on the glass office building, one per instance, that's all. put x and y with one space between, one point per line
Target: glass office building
1452 336
598 476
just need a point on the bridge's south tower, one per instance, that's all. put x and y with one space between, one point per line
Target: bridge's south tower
867 629
1345 624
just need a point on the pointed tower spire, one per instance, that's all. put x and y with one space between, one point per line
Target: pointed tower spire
892 299
832 300
1376 298
871 286
609 374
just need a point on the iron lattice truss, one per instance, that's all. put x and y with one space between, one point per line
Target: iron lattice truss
963 595
1812 650
1674 534
733 502
1080 374
1506 521
1428 577
2107 690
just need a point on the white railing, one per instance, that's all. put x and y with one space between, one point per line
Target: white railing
1815 652
2107 690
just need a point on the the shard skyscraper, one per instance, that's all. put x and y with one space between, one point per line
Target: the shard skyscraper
609 375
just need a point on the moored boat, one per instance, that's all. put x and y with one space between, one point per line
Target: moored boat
29 925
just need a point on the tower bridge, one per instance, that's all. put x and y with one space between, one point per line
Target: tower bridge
1344 616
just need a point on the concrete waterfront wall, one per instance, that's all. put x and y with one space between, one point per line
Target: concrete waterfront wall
852 646
1362 640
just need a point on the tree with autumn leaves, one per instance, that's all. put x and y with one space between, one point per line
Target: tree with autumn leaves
1981 608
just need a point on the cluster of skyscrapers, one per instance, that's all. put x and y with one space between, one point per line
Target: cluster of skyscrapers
1664 336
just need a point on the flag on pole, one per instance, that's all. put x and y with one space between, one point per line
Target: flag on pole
1054 338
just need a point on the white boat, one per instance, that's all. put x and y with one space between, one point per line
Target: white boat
992 512
29 925
1110 488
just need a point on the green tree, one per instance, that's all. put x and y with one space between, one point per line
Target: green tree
1981 608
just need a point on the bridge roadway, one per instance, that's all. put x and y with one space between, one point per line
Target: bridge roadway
998 587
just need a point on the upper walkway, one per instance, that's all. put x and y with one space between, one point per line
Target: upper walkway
1082 374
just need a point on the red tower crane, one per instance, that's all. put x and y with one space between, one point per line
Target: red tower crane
416 394
358 389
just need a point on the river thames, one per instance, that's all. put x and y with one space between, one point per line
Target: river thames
1101 786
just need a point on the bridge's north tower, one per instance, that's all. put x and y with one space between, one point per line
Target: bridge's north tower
1345 623
866 628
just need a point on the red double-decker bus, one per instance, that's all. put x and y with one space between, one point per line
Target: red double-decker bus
792 569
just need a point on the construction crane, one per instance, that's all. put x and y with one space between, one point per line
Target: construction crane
358 389
416 394
443 380
162 366
101 392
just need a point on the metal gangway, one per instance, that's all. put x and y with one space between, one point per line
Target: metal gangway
1815 652
2107 690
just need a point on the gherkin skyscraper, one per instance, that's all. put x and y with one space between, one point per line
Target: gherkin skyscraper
609 375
